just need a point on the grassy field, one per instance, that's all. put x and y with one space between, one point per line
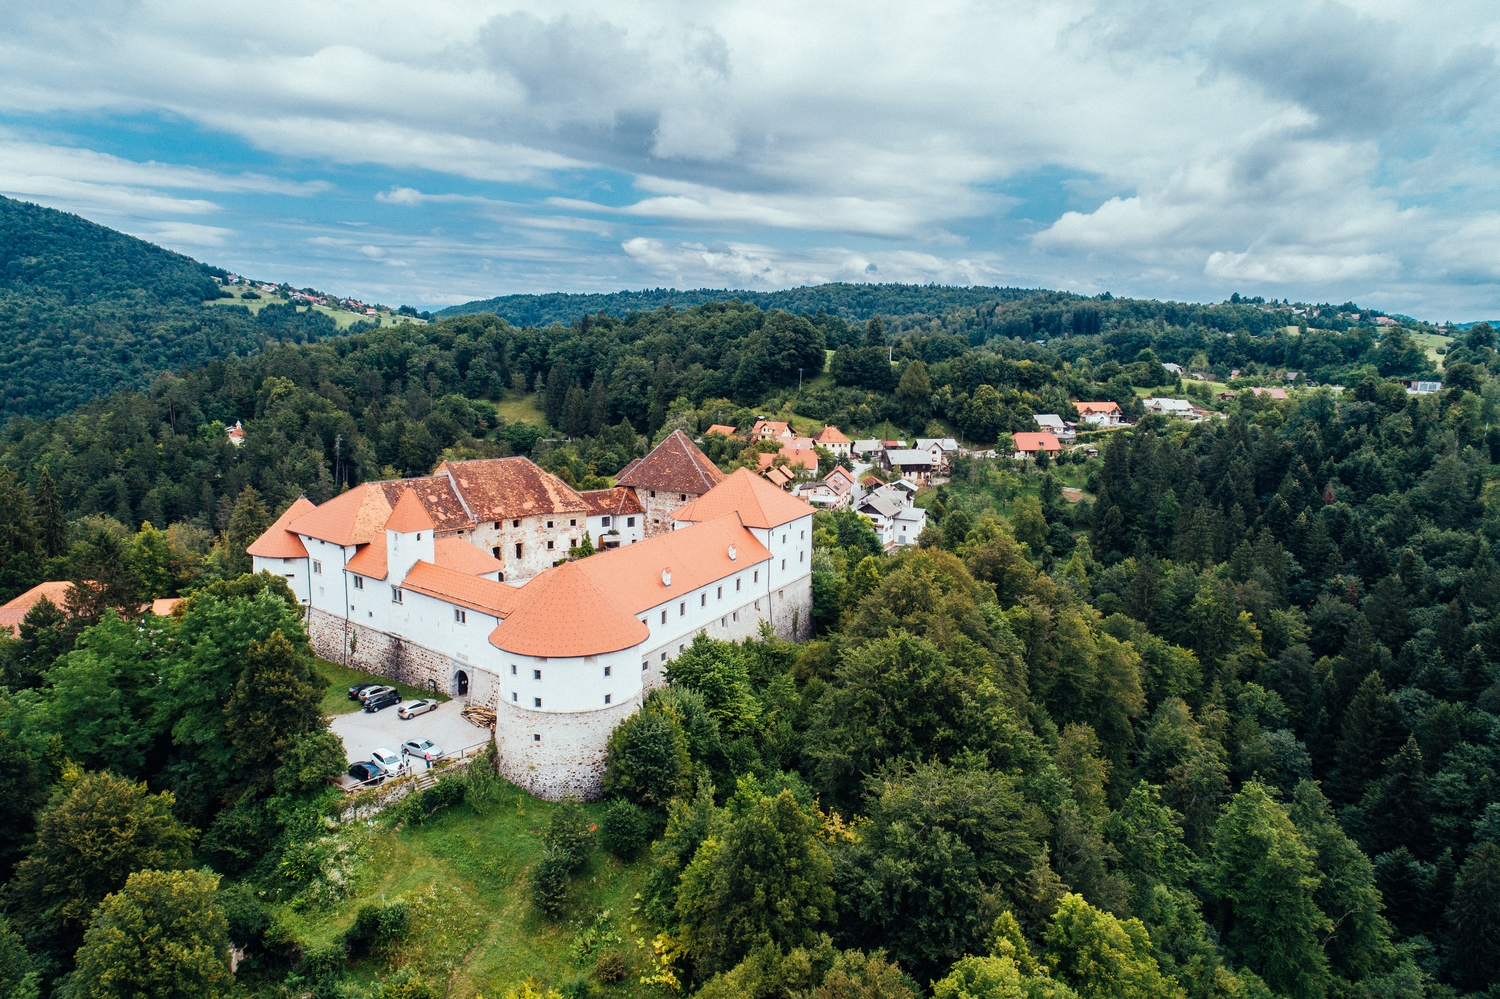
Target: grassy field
473 927
342 318
999 490
520 407
336 700
1430 342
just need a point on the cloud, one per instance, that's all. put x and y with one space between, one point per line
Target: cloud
740 265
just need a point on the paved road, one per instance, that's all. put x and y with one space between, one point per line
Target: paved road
363 731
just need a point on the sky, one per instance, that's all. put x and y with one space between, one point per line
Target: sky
435 153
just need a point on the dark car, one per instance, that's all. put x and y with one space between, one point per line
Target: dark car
360 688
382 700
374 690
366 771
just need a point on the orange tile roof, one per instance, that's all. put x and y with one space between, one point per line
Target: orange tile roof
758 503
776 427
589 606
1036 442
459 555
832 435
611 502
163 606
438 498
370 559
473 592
1088 408
13 611
675 466
501 488
351 519
720 428
409 516
564 613
278 541
779 477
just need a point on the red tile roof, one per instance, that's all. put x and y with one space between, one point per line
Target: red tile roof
460 556
831 435
611 502
1090 408
775 427
14 610
370 559
758 503
409 516
1036 442
502 488
350 519
589 606
720 428
675 466
473 592
438 498
278 541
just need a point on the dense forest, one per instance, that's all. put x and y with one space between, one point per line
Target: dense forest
1221 721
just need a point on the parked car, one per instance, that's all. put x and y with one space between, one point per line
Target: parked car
388 761
423 749
374 690
357 691
377 701
418 707
366 771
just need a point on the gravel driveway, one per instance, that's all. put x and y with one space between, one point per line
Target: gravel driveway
363 731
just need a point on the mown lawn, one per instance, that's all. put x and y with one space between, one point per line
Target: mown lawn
336 698
473 926
520 407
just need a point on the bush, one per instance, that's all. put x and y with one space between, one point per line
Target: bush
247 917
378 926
626 829
609 967
569 834
484 786
250 294
549 881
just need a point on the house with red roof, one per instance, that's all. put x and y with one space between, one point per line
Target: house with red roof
833 439
674 473
1029 445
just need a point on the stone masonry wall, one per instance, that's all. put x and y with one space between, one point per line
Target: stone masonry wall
568 759
392 657
659 509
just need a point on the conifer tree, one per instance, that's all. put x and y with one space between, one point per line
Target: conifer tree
1364 741
276 700
1395 807
52 526
1475 918
247 521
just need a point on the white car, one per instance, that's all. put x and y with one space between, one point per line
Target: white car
422 749
392 763
418 707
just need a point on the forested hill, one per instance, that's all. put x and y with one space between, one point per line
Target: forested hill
86 310
849 301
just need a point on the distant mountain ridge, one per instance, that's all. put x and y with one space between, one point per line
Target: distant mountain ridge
848 301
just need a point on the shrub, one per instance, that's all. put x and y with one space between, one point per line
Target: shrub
549 881
569 834
626 829
378 926
609 967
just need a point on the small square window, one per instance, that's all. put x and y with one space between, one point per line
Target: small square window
681 647
604 521
606 698
317 567
549 523
537 701
608 670
572 523
536 737
515 523
495 551
682 497
396 595
536 674
629 521
549 545
645 666
663 657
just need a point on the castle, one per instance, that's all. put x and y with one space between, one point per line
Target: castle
460 582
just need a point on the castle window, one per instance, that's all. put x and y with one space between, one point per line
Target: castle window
396 595
607 670
460 615
549 523
653 494
514 696
703 600
757 575
501 575
572 523
629 521
419 535
512 669
804 535
721 593
736 584
736 615
536 702
682 609
536 674
801 556
682 497
495 551
317 567
518 549
514 523
497 525
645 666
536 737
680 648
663 657
663 617
550 543
783 563
359 582
606 698
723 621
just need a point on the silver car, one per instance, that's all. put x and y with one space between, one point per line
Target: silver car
418 707
422 749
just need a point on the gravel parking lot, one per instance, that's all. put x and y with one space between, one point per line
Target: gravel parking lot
363 731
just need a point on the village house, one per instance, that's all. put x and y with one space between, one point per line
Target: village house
914 465
674 474
891 512
1029 445
1100 414
615 517
1053 424
834 492
720 428
766 430
869 450
942 450
833 439
409 590
236 434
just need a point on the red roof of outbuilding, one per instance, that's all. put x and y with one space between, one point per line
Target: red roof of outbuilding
279 541
503 488
459 555
675 466
14 610
1036 442
473 592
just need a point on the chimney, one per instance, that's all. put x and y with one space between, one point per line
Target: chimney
666 576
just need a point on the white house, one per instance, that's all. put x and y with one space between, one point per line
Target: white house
833 439
913 464
1100 414
942 450
1053 424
